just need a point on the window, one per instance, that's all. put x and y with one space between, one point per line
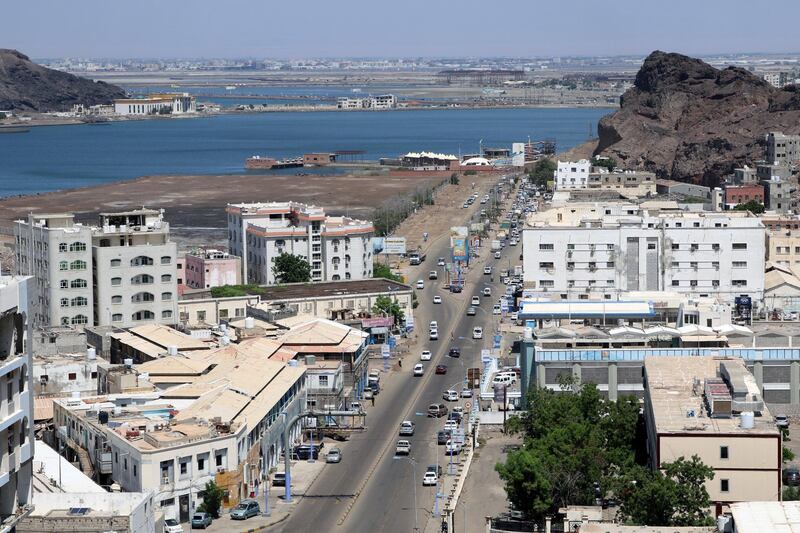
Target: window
166 278
201 463
201 316
63 265
141 260
116 282
64 302
116 299
740 264
80 319
166 296
723 452
676 283
62 247
77 247
546 247
79 301
143 315
693 283
545 265
63 284
545 283
77 265
651 246
739 283
570 247
323 381
140 297
135 470
739 246
724 485
142 279
78 284
610 264
166 260
166 314
676 246
116 262
117 317
715 283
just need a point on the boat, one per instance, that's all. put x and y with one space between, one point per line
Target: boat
230 87
14 129
259 162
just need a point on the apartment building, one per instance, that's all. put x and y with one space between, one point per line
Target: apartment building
572 175
154 104
782 149
780 194
211 268
712 407
134 269
16 402
607 251
582 175
57 252
783 239
337 248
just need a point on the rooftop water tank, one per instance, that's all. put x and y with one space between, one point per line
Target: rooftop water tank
128 363
249 322
91 354
172 350
748 420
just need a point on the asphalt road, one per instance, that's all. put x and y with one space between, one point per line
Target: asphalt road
371 490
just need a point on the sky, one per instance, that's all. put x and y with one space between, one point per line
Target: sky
407 28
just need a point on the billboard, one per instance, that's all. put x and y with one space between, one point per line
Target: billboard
460 248
394 245
518 154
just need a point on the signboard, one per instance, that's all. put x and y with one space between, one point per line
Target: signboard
378 322
458 437
409 322
386 351
394 245
499 392
460 248
459 231
486 355
467 406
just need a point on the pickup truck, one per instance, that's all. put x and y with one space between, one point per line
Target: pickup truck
416 258
403 448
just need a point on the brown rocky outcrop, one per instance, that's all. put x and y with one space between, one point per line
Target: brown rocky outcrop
687 120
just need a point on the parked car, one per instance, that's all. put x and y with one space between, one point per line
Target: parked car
455 416
420 284
450 396
471 311
497 255
466 393
403 448
477 332
245 509
442 437
441 369
434 324
425 355
279 479
419 369
791 476
455 287
201 520
452 448
782 421
367 394
407 428
308 451
429 479
454 352
450 425
334 455
476 301
172 526
437 410
496 310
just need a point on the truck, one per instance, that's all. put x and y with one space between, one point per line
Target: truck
496 245
416 258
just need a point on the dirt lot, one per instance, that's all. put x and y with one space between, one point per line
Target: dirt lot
195 205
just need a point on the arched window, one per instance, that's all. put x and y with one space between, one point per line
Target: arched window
141 260
79 301
166 278
77 247
117 317
336 277
142 279
140 297
116 282
64 284
165 296
80 319
116 262
64 302
63 265
78 264
116 299
65 321
62 247
143 315
78 284
166 260
166 314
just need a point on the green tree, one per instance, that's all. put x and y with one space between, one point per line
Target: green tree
212 500
753 206
290 268
453 179
791 494
379 270
390 307
608 162
527 482
543 171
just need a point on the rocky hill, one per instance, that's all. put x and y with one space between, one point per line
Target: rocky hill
26 86
687 120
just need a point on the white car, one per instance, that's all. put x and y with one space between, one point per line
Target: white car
429 479
477 332
487 270
450 395
450 425
434 324
420 284
434 335
419 369
173 526
465 393
403 448
437 299
440 262
497 255
496 310
487 291
425 355
513 242
476 300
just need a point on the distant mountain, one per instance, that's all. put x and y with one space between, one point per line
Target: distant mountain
26 86
687 120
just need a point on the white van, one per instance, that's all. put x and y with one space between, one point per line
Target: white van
502 380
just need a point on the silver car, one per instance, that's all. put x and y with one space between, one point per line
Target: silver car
334 456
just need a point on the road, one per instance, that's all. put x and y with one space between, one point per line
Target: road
371 490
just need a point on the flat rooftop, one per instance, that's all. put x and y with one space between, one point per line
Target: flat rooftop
295 291
671 392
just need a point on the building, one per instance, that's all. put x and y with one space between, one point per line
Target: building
383 101
318 159
121 512
581 175
780 194
150 341
712 407
572 175
16 402
380 102
781 291
65 374
783 239
211 268
479 77
57 252
200 309
324 384
620 248
755 517
157 104
744 176
682 189
427 161
337 248
135 278
782 149
56 340
741 194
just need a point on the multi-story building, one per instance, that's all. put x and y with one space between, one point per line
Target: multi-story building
783 239
211 268
780 194
134 269
782 149
337 248
572 175
580 255
383 101
741 194
16 403
712 408
155 104
56 251
582 175
744 176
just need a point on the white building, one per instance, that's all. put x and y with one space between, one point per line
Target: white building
154 104
572 175
135 274
383 101
56 251
583 254
16 403
337 248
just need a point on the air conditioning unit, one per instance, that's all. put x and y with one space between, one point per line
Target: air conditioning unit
220 469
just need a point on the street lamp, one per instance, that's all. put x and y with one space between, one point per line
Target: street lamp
414 479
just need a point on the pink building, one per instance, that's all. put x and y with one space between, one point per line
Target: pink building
211 268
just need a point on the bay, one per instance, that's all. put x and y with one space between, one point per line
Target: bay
61 157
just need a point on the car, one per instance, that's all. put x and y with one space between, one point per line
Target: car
450 425
245 509
367 394
357 407
442 437
452 448
496 310
433 275
466 205
172 526
477 332
437 410
487 270
441 369
455 288
419 370
434 335
471 311
307 451
437 299
497 255
513 242
429 479
425 355
487 291
458 409
420 284
403 448
466 393
201 520
450 395
791 476
440 262
436 469
279 479
375 374
476 301
455 416
782 421
434 324
454 352
334 455
407 428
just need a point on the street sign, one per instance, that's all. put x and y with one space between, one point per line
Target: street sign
467 406
458 437
486 355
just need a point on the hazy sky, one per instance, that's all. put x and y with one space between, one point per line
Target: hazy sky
406 28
